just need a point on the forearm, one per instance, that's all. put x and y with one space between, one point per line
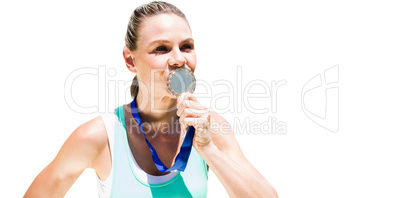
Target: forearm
236 179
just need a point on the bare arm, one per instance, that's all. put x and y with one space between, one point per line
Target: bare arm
239 177
216 143
79 152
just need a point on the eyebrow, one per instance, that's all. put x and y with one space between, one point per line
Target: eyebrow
188 40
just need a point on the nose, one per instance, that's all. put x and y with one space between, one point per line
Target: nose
177 59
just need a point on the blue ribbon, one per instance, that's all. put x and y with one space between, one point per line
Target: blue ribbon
181 159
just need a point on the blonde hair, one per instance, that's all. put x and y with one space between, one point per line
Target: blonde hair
136 19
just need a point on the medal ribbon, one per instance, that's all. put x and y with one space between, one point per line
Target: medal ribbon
181 159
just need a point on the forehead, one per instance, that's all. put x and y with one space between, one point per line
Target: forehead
163 27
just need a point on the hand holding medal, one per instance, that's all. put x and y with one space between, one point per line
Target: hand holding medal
181 83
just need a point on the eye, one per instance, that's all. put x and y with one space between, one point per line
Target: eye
161 49
187 47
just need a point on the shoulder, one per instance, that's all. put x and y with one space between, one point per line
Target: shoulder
78 152
92 131
88 140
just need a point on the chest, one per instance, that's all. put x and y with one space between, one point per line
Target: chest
167 146
143 156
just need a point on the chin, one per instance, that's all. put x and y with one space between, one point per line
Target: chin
170 95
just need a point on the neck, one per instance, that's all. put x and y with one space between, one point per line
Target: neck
158 115
156 108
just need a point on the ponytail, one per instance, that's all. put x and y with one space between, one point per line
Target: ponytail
134 87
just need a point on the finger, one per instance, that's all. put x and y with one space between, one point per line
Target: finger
180 100
194 107
183 127
186 96
190 104
188 113
196 121
190 96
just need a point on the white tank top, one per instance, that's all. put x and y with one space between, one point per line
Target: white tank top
104 187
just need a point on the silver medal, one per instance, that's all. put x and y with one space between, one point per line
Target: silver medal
181 80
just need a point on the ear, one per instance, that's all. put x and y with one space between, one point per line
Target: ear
129 59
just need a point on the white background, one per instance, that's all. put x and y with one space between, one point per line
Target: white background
42 43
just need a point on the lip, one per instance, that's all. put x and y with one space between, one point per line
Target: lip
171 68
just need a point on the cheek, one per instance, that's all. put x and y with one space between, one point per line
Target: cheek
192 61
156 62
154 65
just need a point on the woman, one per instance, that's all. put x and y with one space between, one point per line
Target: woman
158 40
